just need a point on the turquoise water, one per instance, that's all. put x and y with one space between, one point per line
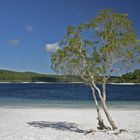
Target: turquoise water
32 103
66 96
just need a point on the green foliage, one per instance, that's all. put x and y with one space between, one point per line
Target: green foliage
117 39
12 76
95 48
132 76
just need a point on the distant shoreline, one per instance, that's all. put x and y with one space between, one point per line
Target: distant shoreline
124 83
64 83
39 82
7 76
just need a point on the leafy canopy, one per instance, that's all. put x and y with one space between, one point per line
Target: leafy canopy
95 48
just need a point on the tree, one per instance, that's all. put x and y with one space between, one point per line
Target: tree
118 47
95 50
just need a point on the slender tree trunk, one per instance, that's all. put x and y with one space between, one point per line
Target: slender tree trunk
112 123
100 120
104 90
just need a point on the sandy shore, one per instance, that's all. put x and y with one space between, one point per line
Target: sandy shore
63 124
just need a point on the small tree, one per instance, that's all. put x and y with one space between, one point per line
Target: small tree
92 49
117 47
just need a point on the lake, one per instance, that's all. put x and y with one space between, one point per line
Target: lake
65 95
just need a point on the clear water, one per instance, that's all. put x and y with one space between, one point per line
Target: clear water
66 95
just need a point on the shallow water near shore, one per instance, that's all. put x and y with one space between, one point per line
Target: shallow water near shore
33 103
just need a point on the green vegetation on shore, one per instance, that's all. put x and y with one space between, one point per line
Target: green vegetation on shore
133 77
13 76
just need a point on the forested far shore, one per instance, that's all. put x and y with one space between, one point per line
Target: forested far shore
13 76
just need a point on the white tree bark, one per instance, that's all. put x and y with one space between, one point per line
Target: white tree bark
104 91
109 118
100 120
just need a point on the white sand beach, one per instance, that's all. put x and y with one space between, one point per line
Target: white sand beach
64 124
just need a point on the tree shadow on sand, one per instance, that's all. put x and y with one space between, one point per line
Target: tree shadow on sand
63 126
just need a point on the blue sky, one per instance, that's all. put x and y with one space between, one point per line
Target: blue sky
28 26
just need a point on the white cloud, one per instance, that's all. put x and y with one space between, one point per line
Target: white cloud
13 42
29 28
51 48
